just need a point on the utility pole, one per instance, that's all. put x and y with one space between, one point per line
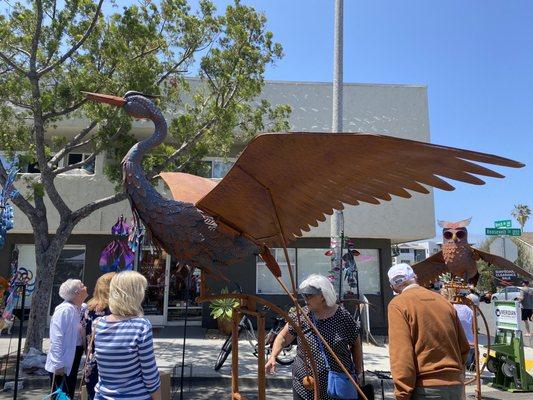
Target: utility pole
337 219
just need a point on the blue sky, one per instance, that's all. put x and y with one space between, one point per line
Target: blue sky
476 57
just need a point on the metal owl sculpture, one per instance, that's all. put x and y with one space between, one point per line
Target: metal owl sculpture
459 258
281 185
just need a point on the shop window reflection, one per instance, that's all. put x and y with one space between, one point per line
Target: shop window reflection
152 266
178 295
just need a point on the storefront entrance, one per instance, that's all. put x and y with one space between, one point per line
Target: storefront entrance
167 300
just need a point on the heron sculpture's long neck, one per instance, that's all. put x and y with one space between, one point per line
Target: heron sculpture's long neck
137 186
137 152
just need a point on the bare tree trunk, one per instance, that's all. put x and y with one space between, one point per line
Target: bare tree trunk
47 253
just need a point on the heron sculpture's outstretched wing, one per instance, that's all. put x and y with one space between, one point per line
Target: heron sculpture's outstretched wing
428 270
502 263
288 181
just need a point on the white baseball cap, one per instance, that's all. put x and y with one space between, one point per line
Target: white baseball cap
400 273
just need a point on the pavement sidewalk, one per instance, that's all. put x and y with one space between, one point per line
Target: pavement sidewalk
200 356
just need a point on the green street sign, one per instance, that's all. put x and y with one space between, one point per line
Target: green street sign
503 224
503 232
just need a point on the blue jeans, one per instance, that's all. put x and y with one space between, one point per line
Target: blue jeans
470 359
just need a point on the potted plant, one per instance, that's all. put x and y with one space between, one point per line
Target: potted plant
222 311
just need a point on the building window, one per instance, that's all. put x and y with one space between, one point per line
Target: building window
307 261
74 158
369 272
405 251
420 255
405 262
266 283
152 266
312 261
32 168
220 169
69 266
216 168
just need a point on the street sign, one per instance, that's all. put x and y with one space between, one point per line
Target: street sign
503 232
505 274
503 224
504 247
506 315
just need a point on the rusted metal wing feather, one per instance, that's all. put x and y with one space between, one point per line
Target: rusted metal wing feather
307 175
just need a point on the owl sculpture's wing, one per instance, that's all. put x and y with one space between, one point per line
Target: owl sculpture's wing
502 263
428 271
289 181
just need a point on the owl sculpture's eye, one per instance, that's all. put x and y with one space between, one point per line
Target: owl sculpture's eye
448 235
461 234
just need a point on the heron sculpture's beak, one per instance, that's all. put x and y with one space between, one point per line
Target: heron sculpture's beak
106 98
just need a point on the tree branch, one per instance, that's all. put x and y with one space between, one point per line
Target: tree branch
89 159
5 71
56 199
80 42
74 107
36 36
188 53
72 144
182 150
19 200
18 104
12 64
81 164
86 210
47 176
20 50
66 151
146 52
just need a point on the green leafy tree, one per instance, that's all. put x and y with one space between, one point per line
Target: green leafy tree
521 213
487 272
52 51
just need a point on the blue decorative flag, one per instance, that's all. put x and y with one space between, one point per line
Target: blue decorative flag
7 193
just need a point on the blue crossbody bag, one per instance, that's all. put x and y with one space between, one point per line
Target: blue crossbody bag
339 385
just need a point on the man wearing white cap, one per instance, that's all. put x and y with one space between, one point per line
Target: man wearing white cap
427 344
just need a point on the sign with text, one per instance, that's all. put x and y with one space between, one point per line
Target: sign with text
505 274
503 232
503 224
507 314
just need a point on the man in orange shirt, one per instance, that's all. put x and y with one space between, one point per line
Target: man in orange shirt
427 344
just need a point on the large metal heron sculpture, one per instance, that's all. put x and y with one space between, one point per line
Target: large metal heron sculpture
281 185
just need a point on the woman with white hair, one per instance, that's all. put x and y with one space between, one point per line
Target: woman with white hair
123 344
337 327
66 337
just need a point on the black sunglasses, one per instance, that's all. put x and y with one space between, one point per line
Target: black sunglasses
460 235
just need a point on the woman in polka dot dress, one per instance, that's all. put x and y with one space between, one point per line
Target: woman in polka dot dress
336 326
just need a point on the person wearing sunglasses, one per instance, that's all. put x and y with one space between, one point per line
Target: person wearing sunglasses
336 325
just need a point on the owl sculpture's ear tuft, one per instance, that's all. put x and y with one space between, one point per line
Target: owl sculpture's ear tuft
464 223
455 225
444 224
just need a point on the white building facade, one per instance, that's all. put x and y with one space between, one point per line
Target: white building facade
396 110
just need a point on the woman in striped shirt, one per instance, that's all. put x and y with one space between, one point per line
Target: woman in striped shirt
123 345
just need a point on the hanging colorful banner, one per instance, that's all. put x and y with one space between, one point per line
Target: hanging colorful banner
7 193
